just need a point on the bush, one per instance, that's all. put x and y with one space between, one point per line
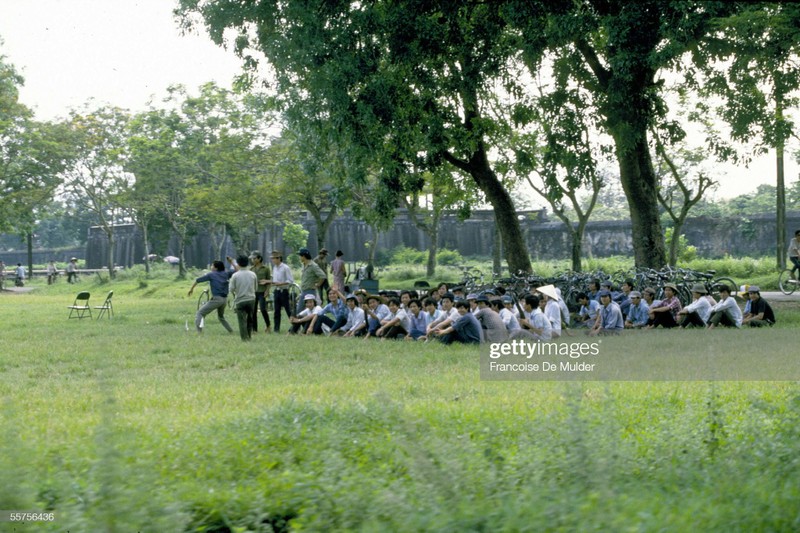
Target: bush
406 255
449 258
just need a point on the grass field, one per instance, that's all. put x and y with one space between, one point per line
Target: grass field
135 424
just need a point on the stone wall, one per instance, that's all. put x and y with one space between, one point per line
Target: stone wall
547 240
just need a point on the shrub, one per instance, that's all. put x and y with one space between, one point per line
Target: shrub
404 254
449 258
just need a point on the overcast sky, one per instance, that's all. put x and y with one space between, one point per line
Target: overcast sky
123 52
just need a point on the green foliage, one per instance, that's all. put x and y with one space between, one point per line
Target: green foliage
449 257
149 426
410 256
686 252
294 237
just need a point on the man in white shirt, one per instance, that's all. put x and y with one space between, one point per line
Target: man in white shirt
397 323
356 324
697 312
726 312
281 280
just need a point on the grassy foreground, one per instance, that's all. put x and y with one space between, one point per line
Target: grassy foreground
135 424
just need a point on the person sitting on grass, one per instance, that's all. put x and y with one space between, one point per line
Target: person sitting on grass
337 308
507 313
587 315
417 318
697 312
610 317
726 312
449 315
356 324
375 311
624 297
494 330
396 324
432 309
465 329
761 313
302 321
666 314
536 323
638 311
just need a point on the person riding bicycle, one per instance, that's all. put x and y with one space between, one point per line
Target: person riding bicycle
794 254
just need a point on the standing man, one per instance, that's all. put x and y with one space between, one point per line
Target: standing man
20 273
281 279
72 270
322 262
52 272
339 271
2 275
243 284
263 275
311 279
218 279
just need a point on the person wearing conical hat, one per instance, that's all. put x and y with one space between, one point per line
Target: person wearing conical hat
698 312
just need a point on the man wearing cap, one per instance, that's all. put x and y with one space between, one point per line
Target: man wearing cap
666 314
726 312
698 312
301 322
610 320
507 313
638 312
72 270
263 275
243 286
281 280
760 313
322 262
311 279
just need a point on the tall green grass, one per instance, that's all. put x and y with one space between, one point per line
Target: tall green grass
134 424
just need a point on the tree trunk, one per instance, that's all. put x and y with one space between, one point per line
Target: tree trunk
29 241
433 248
577 246
505 214
497 252
110 251
640 184
146 239
675 242
780 189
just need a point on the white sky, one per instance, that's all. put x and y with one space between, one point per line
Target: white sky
124 52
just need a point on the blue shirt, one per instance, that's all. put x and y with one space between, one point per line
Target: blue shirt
611 317
218 281
638 314
338 310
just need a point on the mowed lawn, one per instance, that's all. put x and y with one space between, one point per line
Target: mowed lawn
135 424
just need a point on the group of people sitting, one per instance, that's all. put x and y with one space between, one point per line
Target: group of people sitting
451 316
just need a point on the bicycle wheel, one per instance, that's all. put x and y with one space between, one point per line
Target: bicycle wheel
787 282
727 282
203 299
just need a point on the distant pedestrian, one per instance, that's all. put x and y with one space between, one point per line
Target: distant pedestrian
264 276
52 272
243 285
322 262
72 270
794 254
311 278
20 274
339 271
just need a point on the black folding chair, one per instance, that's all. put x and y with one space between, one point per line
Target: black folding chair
106 308
80 308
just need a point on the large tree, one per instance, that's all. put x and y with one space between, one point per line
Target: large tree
617 50
403 85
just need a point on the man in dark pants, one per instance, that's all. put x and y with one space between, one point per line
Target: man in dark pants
281 279
264 276
243 285
761 313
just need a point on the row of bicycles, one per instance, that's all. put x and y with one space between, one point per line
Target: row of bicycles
573 283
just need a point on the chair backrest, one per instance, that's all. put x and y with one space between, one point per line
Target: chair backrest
82 296
108 298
